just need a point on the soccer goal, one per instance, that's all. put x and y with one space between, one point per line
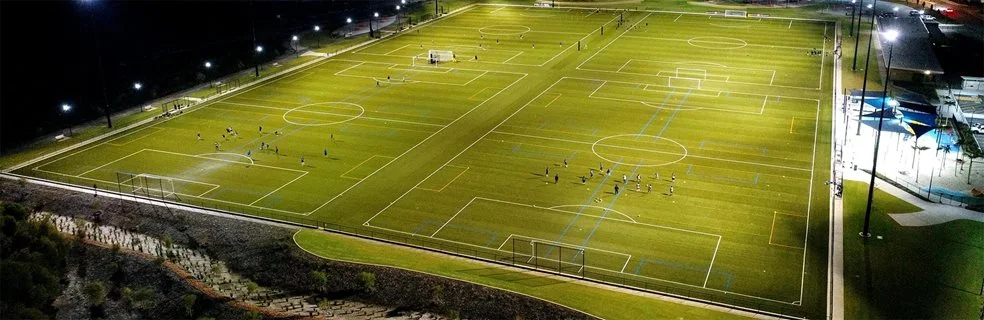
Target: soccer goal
435 56
549 255
736 13
147 185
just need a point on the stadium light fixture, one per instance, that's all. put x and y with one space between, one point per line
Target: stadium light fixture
348 20
259 49
317 28
397 7
403 1
375 14
927 72
890 36
137 85
208 65
65 109
896 9
293 38
871 6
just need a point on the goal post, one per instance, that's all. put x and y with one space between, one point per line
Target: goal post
436 56
736 13
549 255
147 185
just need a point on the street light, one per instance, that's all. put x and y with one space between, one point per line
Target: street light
853 8
374 16
259 49
137 86
208 65
398 22
348 26
867 60
65 109
317 29
890 37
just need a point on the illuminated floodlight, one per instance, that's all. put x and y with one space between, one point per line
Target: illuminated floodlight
137 85
293 38
317 28
259 48
66 107
375 14
891 35
208 64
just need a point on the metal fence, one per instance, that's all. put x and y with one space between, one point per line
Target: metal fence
583 270
934 196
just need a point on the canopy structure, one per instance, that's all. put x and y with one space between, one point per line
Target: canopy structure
901 116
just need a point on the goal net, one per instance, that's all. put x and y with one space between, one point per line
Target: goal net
548 255
736 13
435 56
147 185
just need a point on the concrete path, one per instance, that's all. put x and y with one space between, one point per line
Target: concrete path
933 213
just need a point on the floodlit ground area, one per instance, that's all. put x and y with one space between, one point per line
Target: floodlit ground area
685 153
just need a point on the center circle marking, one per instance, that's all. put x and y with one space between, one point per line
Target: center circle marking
297 109
600 142
717 42
504 30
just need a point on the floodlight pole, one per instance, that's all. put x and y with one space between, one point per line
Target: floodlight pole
874 6
436 13
854 7
874 165
252 26
99 64
867 62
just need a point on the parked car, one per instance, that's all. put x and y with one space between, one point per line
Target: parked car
927 17
978 129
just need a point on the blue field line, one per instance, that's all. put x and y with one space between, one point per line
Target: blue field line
492 235
518 149
543 124
673 115
572 156
607 209
594 132
677 265
586 203
730 145
754 181
653 117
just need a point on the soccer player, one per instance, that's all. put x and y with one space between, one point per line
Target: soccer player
657 175
590 173
616 189
671 190
638 178
216 146
565 162
326 152
673 177
199 135
608 172
546 173
302 163
276 150
649 188
332 137
583 180
261 129
249 154
625 179
601 166
556 178
638 187
224 137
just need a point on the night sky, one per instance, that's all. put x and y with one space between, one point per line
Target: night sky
48 52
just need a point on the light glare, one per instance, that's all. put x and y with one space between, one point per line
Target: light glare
891 35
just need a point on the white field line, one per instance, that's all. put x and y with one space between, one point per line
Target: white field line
687 109
414 147
653 151
251 162
391 65
809 202
167 177
305 75
497 10
513 57
334 114
136 127
790 24
601 217
708 277
736 92
603 269
554 100
463 150
677 18
452 217
614 40
298 104
425 24
278 189
479 91
557 243
349 68
452 180
704 80
111 162
96 180
627 63
207 191
156 130
627 264
531 30
579 40
397 49
345 174
423 81
423 69
656 11
224 160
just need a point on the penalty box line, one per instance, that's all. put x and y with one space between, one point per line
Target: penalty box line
710 267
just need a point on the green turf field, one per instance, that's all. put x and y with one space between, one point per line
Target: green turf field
731 113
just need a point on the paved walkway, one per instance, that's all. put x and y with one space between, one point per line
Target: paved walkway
933 213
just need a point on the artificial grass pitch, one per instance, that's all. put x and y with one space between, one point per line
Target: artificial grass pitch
712 129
